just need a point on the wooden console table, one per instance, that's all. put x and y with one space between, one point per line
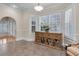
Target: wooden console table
49 39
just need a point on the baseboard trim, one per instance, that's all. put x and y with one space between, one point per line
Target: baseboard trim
26 39
29 39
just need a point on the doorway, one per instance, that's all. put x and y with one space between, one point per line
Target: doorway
7 30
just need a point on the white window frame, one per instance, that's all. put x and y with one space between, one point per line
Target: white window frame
68 20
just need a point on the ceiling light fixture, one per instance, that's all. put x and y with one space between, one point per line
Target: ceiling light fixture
38 7
14 6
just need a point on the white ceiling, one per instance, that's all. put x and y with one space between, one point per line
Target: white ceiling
30 6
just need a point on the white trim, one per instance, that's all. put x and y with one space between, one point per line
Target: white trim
26 39
21 38
29 39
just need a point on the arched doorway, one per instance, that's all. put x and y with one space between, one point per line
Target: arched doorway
8 29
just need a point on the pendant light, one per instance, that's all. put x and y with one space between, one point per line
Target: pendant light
38 7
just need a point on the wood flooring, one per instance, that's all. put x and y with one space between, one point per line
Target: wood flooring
24 48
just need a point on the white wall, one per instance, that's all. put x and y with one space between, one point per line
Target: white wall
76 14
27 35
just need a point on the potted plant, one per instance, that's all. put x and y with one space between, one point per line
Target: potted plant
45 27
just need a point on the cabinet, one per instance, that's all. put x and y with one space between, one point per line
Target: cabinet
49 39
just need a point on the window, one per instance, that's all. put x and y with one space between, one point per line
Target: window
34 23
33 26
51 22
7 26
0 27
55 22
69 25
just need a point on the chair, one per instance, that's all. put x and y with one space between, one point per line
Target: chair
73 50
